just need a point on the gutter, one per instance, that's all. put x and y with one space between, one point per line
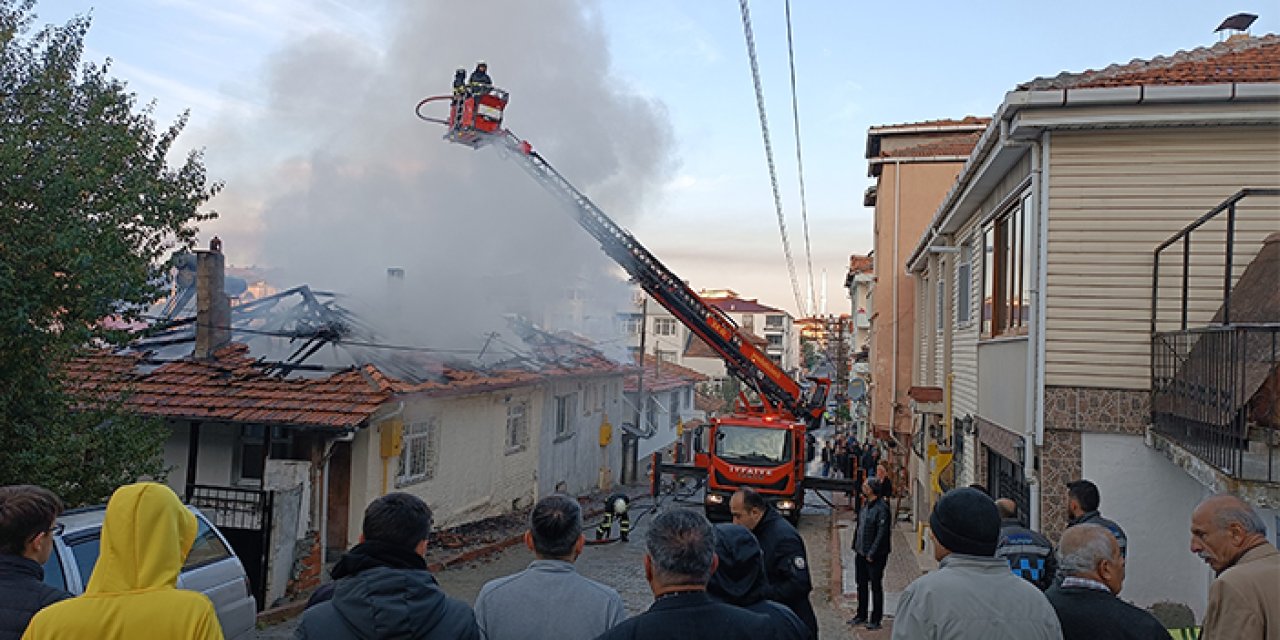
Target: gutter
1003 127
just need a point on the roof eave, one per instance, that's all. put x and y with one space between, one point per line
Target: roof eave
999 144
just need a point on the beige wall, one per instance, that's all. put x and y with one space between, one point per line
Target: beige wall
921 188
1114 196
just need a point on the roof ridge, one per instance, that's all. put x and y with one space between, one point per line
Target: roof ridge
1068 79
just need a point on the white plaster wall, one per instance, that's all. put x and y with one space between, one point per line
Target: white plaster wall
175 457
577 463
215 464
1152 500
1002 382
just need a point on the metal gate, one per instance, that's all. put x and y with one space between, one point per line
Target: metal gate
244 517
1005 479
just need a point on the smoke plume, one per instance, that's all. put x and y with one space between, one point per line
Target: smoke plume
344 181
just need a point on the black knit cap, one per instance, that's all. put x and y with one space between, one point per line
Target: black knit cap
966 521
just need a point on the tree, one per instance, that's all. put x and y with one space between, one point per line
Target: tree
90 208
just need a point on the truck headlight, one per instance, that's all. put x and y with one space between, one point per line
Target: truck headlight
785 505
713 498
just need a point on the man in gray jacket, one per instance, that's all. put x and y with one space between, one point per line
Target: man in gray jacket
972 595
549 599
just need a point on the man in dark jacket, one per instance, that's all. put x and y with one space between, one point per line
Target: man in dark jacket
1083 500
480 77
871 546
786 563
383 588
740 581
679 560
28 523
1029 554
1086 601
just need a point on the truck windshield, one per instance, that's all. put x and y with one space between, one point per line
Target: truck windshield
752 445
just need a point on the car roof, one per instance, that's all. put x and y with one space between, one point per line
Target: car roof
90 518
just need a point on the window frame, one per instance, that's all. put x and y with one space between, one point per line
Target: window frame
964 286
425 434
664 326
565 407
1006 308
517 439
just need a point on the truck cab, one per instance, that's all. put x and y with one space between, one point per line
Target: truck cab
766 453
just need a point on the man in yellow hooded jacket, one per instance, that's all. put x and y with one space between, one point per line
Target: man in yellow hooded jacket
133 591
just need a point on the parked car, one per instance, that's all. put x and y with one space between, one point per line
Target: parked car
212 568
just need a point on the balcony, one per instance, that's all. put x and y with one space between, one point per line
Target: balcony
1215 365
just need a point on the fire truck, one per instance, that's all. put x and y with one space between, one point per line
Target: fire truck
762 444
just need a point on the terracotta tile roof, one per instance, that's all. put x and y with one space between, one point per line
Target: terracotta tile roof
860 264
1240 59
951 146
663 376
739 305
229 388
946 122
697 348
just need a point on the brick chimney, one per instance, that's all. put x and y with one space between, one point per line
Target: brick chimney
213 307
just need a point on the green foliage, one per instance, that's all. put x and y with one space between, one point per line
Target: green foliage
90 208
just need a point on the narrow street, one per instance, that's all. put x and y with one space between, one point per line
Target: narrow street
619 565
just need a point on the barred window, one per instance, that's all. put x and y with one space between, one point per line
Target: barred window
517 427
420 452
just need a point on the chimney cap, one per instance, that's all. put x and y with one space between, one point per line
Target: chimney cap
1238 22
215 244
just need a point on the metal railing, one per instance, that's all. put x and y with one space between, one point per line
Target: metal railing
1204 379
232 507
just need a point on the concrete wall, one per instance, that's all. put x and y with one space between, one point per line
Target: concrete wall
1002 382
1152 500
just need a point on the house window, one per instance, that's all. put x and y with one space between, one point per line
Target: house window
775 341
517 427
749 323
664 326
964 277
675 410
773 322
664 355
419 453
565 406
1006 272
251 448
631 324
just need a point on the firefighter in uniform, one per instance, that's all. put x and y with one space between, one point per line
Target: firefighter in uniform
615 505
1029 554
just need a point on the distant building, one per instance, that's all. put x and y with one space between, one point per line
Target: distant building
775 325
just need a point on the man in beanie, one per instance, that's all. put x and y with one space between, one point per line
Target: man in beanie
739 580
972 594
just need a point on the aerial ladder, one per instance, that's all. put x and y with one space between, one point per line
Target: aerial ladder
764 442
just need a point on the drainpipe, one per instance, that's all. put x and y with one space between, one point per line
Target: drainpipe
897 314
1033 429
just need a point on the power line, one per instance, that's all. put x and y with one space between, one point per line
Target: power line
768 152
795 114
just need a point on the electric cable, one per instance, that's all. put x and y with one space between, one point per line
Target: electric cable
768 152
795 115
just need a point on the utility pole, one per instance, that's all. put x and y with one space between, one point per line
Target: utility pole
630 441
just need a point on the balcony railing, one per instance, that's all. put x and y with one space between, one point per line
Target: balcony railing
1203 396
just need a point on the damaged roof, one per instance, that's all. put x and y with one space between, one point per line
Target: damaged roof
662 376
231 387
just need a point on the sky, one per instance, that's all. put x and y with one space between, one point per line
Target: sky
304 109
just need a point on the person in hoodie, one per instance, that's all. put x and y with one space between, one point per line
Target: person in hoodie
382 588
28 523
740 581
133 592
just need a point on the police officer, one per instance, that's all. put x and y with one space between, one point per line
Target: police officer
1029 554
785 561
615 505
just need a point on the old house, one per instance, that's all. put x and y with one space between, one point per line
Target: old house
1096 297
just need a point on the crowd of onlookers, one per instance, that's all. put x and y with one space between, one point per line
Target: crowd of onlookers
749 579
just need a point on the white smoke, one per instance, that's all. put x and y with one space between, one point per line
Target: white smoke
344 181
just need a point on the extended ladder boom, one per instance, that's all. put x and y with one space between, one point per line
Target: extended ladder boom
743 359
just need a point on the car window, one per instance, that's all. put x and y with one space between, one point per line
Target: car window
53 572
85 551
207 548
